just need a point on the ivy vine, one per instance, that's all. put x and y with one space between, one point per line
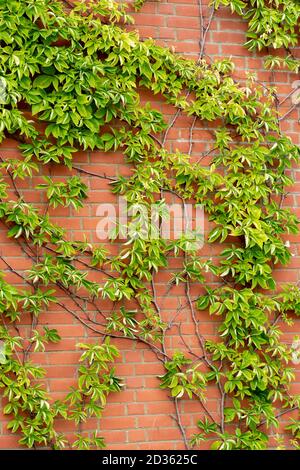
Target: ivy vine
73 78
273 25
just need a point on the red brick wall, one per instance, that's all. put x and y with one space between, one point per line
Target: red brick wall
141 416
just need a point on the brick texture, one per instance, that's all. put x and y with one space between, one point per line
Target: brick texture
141 416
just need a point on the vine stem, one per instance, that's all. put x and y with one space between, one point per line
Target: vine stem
68 3
154 348
171 124
90 173
18 332
205 357
289 95
158 310
85 264
111 335
292 108
283 412
222 407
279 119
202 341
178 420
191 136
205 29
15 272
203 36
199 358
177 416
17 192
34 322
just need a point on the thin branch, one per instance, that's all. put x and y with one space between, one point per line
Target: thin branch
283 412
26 352
158 310
84 264
191 136
156 140
282 198
196 323
201 18
111 335
171 124
203 35
202 344
289 95
187 345
206 154
17 192
281 118
68 3
90 173
222 407
15 272
206 30
177 418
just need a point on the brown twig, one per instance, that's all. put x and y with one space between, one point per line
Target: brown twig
187 345
191 136
94 268
15 272
171 124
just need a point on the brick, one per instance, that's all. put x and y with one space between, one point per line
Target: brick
140 416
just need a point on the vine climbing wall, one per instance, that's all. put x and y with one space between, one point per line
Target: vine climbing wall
142 416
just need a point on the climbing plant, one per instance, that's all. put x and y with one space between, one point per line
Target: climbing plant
272 24
73 77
